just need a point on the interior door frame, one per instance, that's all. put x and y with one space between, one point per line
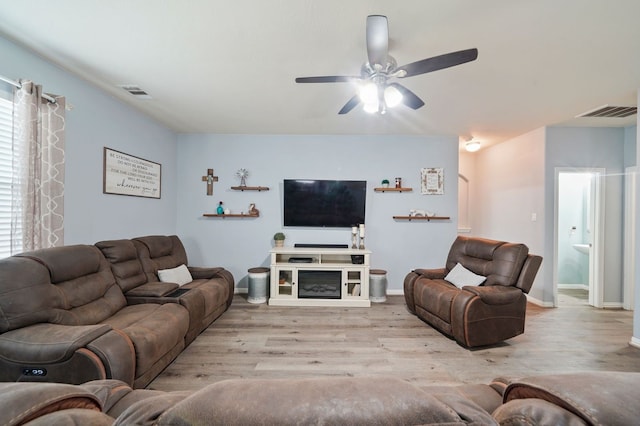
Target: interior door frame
597 216
630 212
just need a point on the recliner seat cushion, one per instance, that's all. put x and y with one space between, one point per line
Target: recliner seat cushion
153 329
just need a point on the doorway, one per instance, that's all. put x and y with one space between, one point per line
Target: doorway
578 234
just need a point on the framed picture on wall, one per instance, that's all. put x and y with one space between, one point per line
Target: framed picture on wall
432 181
125 174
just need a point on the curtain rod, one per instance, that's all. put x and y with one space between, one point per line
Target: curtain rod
18 85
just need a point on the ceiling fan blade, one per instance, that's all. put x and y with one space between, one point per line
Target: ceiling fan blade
438 62
377 40
409 98
353 102
327 79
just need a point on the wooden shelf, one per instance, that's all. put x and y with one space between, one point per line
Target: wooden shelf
427 218
224 216
393 189
250 188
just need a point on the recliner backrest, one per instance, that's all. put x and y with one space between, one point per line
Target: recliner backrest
125 265
81 286
157 252
499 261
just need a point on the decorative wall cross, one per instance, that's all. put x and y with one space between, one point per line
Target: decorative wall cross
209 178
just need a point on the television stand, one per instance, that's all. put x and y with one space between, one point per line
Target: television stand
327 277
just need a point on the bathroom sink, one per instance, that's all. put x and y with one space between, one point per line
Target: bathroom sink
582 248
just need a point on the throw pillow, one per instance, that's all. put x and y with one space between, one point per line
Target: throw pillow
461 276
179 275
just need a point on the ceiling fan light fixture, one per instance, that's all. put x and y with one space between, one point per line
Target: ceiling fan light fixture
369 97
472 146
392 96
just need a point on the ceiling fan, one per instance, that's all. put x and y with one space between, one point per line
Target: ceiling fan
375 89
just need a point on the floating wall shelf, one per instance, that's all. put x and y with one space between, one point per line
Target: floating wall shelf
427 218
224 216
250 188
393 189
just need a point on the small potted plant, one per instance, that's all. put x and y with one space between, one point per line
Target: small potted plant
385 183
278 238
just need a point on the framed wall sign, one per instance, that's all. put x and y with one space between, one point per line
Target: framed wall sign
432 181
125 174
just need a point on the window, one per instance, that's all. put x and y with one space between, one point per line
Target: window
6 161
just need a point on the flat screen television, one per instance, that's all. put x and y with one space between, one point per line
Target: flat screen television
324 203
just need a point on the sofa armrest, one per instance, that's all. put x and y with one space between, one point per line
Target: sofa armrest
66 353
201 273
602 397
47 343
22 403
152 289
434 274
495 294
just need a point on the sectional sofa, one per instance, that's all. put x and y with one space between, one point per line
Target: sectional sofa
595 398
78 313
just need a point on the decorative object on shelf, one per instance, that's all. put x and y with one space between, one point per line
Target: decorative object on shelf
278 239
209 178
243 174
422 213
354 237
361 236
227 211
253 211
398 182
385 183
220 209
432 181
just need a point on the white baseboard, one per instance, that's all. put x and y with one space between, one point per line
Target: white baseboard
612 305
635 342
539 302
397 292
574 286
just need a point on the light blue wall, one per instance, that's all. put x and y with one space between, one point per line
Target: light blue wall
98 120
590 148
238 244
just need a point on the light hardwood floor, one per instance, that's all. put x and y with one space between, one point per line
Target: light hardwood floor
386 340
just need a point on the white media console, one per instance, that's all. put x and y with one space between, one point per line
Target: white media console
319 277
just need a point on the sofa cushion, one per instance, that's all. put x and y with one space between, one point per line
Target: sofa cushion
179 275
158 252
125 265
328 401
499 261
461 276
26 294
84 293
153 329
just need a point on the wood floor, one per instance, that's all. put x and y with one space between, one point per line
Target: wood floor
386 340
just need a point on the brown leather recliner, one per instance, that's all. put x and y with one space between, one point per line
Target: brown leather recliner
476 315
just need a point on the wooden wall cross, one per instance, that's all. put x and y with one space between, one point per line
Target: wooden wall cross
209 178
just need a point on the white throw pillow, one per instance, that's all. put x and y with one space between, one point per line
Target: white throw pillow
461 276
179 275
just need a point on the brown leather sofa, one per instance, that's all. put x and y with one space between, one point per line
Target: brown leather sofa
592 398
65 318
476 315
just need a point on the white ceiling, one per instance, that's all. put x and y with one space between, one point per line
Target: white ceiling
229 66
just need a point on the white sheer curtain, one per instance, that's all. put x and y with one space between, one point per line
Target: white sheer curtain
38 169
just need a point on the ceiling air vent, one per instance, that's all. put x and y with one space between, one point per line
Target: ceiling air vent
136 91
611 111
